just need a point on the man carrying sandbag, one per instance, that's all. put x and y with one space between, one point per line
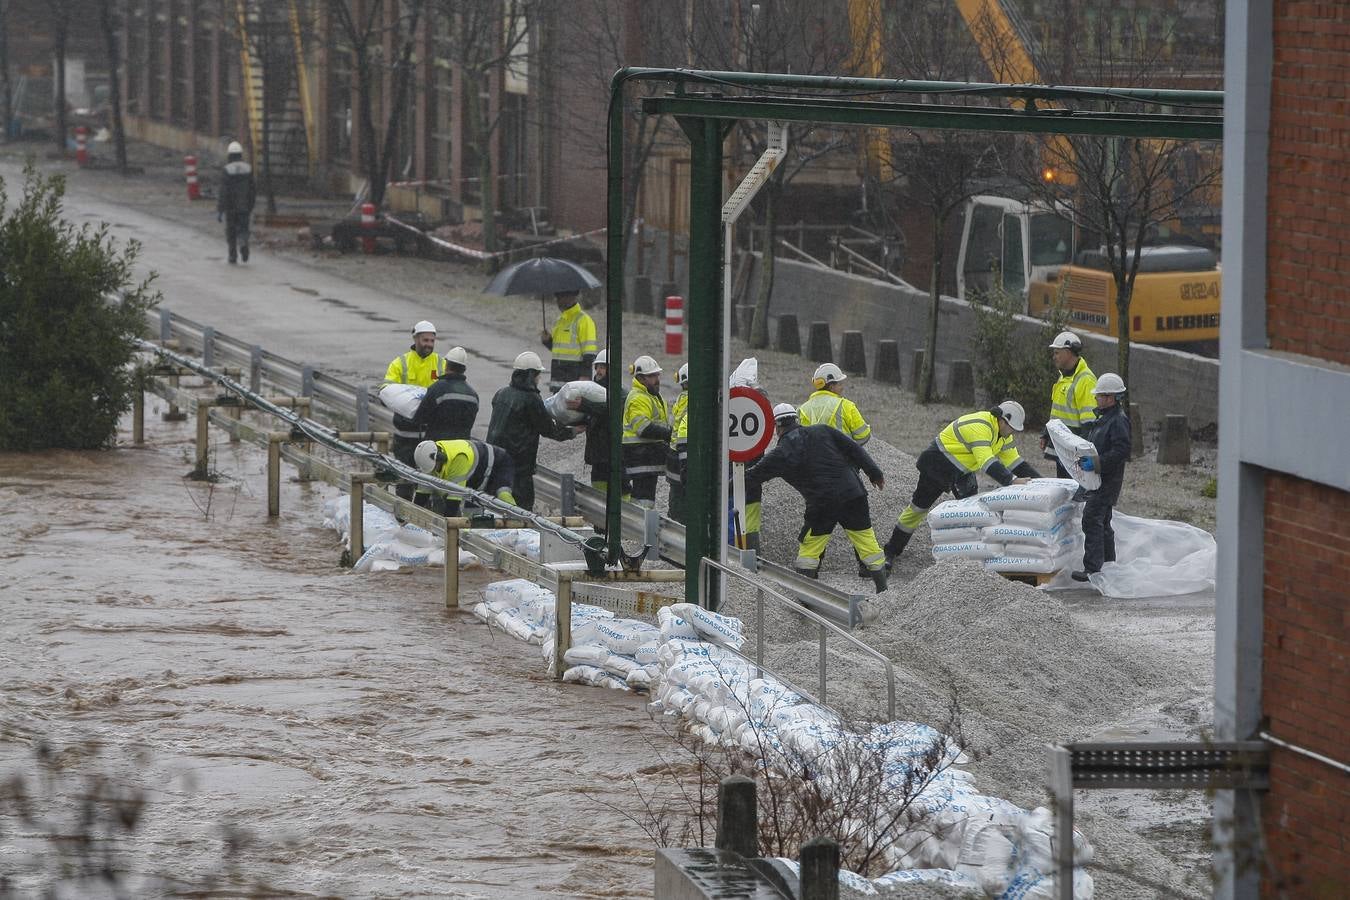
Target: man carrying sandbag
597 433
450 406
977 442
420 365
822 464
1111 436
519 419
1071 399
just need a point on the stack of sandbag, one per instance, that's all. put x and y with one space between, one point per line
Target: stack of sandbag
389 546
525 610
1020 528
402 398
573 390
524 541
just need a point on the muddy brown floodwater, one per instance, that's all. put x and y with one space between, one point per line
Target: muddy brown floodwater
355 737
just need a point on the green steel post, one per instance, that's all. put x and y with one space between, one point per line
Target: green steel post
614 315
706 468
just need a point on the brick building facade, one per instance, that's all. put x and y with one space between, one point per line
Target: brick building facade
1283 625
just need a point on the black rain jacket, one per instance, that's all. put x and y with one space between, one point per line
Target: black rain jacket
519 418
821 462
448 410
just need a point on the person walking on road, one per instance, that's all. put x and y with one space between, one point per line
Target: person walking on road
646 430
1110 434
450 406
234 204
976 442
822 464
1071 398
572 341
419 366
677 452
596 454
519 418
473 464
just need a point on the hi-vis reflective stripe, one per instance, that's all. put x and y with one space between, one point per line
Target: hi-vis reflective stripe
644 470
970 445
404 360
458 398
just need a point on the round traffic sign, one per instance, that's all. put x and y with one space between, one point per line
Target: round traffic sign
749 424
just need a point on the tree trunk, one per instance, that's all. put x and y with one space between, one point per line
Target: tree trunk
59 100
1124 294
109 25
482 139
759 326
265 57
925 392
6 87
402 82
374 178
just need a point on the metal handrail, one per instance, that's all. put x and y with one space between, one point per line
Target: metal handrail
826 628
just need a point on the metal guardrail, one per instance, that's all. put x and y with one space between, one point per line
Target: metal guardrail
348 399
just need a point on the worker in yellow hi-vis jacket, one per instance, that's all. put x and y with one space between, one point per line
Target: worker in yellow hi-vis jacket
646 429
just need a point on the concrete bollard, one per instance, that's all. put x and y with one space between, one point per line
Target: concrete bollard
1174 444
961 383
818 347
789 335
737 816
641 300
744 320
888 362
1136 431
819 879
916 369
853 356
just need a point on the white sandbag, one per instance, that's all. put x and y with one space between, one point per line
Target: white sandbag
1042 521
746 374
587 655
594 677
1029 564
968 550
624 636
402 398
573 390
1042 494
647 654
1070 448
673 627
1020 535
851 880
711 626
643 678
1063 550
957 535
961 514
947 877
767 695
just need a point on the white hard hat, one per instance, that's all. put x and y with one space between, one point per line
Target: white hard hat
784 411
1066 340
425 456
683 375
235 148
457 356
827 373
1012 412
601 358
423 327
1110 383
529 361
645 365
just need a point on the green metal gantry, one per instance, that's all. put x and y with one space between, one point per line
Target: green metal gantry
706 114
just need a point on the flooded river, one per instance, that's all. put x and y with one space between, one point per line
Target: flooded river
295 729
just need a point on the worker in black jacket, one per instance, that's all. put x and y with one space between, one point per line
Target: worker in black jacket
519 419
597 431
450 406
822 463
234 202
1110 434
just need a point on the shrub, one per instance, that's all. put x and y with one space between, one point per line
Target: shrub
69 311
1014 362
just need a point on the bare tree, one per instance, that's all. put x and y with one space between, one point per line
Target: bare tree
486 39
366 27
108 22
1124 191
6 86
58 13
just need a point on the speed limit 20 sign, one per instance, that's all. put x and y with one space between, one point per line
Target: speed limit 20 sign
749 424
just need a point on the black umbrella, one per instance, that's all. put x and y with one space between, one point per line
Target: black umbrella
543 275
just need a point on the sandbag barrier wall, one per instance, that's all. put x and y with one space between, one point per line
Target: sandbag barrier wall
348 405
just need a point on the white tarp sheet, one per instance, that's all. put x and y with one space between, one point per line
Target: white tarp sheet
1157 558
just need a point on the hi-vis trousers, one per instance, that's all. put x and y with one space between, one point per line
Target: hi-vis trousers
856 521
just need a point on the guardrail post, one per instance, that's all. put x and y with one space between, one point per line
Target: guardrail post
274 442
174 414
362 407
651 531
209 347
306 381
165 325
199 471
356 531
451 565
562 625
1061 794
819 862
737 816
138 416
304 472
255 368
567 494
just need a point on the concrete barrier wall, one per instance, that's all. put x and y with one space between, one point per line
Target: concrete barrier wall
1163 381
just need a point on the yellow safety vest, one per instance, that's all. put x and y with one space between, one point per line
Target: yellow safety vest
828 408
679 415
1072 400
459 460
643 456
973 443
574 335
413 369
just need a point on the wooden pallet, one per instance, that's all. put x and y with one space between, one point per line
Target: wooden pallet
1035 579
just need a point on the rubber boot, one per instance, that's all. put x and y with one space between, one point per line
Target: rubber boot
879 578
863 571
896 545
809 573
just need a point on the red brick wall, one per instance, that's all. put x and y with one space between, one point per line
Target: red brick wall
1309 287
1306 685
